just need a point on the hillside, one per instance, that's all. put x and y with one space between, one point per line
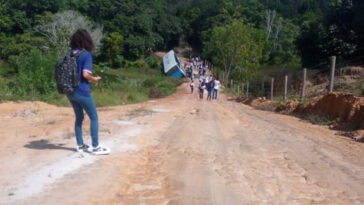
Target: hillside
305 33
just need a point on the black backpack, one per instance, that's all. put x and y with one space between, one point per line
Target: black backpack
66 73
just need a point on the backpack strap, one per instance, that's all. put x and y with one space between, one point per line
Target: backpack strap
78 53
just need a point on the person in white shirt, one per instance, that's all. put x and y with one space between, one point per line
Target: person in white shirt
216 89
202 78
207 79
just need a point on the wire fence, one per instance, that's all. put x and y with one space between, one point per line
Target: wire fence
306 83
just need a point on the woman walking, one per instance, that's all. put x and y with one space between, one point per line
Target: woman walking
82 45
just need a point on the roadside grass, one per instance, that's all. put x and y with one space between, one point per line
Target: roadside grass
126 86
117 87
357 88
279 70
321 120
228 90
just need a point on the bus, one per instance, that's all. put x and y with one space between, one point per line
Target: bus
172 65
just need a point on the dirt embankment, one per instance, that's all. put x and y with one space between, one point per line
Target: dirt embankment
347 107
260 103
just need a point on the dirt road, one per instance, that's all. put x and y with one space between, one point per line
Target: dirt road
177 150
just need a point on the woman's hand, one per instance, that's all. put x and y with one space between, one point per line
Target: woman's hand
90 78
97 78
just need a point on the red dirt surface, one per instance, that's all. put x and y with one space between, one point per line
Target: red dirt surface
175 151
260 103
347 107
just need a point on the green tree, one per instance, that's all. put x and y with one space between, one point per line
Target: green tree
236 48
338 33
112 48
13 46
358 25
35 77
310 44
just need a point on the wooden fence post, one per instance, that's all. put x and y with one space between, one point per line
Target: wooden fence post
304 84
238 90
332 76
263 87
271 89
231 84
285 87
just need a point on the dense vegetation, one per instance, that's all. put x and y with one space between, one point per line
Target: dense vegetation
34 33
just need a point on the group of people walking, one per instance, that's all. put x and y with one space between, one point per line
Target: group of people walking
211 85
205 82
196 63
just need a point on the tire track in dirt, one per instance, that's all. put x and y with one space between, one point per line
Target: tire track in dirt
325 182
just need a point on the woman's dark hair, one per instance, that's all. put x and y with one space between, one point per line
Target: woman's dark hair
82 39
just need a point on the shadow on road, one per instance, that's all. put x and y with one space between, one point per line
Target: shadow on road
44 144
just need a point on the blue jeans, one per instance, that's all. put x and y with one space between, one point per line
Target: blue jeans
209 92
80 103
214 94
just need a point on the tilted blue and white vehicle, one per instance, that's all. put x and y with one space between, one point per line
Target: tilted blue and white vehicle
172 65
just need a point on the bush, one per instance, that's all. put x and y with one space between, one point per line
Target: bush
151 82
36 74
153 62
166 88
140 64
160 86
5 92
35 81
119 61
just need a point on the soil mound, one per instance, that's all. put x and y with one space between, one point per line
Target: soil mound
288 107
347 107
260 103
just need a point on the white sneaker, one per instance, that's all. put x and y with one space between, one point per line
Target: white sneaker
82 148
100 150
